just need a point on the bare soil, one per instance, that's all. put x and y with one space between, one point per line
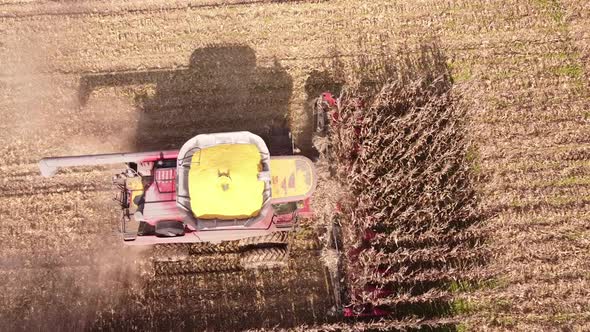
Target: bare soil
99 76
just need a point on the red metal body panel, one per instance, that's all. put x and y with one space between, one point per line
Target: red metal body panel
160 204
151 179
165 179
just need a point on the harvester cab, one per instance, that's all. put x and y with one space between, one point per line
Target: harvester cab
217 187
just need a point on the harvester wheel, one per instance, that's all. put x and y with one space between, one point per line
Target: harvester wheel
272 239
264 258
201 264
214 248
170 250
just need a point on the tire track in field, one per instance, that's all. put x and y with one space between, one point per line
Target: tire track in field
54 260
108 10
26 184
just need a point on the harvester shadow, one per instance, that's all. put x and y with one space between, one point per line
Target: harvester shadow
222 89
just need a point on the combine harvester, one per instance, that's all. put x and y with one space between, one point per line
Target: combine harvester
220 193
225 194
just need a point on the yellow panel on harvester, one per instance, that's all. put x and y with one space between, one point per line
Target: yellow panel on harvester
136 187
291 177
223 182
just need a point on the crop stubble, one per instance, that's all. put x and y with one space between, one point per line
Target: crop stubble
520 66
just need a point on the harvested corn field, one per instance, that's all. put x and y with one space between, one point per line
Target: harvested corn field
99 77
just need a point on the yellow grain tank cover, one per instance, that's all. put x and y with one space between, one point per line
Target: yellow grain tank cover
292 178
223 182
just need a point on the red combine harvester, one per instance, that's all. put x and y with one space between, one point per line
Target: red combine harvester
217 187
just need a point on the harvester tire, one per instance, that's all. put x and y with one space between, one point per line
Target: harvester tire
264 258
202 248
170 250
204 264
272 239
